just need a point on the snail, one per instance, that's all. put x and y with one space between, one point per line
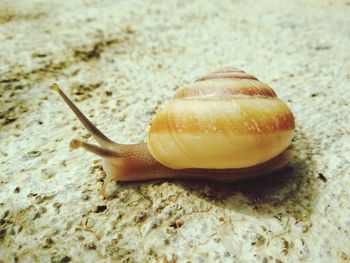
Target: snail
225 126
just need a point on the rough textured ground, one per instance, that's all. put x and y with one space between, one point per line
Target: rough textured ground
121 60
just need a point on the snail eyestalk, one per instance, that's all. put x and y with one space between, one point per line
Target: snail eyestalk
102 139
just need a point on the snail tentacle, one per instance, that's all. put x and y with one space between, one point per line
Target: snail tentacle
120 160
107 154
102 139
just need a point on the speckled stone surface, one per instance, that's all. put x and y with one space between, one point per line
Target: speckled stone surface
120 61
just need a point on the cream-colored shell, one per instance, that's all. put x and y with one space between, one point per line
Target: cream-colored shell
227 119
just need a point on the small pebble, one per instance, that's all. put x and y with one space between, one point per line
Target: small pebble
33 154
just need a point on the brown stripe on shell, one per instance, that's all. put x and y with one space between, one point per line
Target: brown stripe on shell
165 124
217 92
226 75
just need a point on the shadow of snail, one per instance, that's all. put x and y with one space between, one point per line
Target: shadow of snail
289 192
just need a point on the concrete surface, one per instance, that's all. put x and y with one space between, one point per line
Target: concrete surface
120 61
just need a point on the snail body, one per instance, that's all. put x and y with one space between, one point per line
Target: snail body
225 126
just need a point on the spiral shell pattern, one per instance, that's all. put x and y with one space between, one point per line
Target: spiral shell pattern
226 119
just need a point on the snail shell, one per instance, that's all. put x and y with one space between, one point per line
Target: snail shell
227 119
225 126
